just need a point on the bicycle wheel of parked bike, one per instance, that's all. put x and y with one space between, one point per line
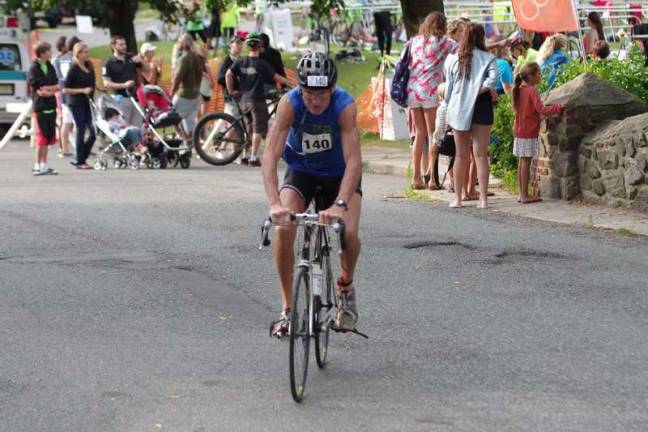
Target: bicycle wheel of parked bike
218 138
324 312
299 335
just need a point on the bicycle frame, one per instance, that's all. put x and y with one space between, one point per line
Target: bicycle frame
241 119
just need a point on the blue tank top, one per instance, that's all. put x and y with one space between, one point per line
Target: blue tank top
314 144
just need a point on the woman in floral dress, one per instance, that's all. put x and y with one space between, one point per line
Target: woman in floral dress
428 52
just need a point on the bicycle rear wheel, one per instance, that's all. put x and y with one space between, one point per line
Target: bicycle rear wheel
299 335
324 310
218 138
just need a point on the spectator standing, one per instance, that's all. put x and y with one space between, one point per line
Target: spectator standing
235 48
207 83
639 29
195 25
214 32
428 51
551 57
153 65
528 109
80 85
594 34
271 56
44 85
186 84
230 20
505 72
252 75
456 28
62 65
523 53
384 31
120 75
470 91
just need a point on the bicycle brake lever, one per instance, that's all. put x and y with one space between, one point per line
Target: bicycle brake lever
265 231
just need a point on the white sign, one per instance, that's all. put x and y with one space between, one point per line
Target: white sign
281 27
84 24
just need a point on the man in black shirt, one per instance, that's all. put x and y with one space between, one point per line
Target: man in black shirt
271 55
252 74
44 85
235 47
120 74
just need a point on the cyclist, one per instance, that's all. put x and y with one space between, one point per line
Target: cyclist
315 132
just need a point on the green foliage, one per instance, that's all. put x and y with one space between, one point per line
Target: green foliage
630 74
501 150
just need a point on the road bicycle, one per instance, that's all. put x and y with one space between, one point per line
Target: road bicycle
313 307
220 138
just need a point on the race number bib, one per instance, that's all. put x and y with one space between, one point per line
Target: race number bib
316 143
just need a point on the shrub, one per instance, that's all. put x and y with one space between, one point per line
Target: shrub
501 151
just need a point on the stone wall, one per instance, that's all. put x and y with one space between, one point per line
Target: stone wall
590 102
613 163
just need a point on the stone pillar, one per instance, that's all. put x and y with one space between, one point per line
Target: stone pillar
589 103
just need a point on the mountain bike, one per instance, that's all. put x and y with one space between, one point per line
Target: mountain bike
220 138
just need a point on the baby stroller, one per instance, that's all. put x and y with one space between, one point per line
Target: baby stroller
162 133
118 146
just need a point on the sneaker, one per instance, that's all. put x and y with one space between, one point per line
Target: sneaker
280 328
346 316
255 163
59 153
245 161
84 166
51 171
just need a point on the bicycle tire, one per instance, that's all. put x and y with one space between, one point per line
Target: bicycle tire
237 144
326 303
299 337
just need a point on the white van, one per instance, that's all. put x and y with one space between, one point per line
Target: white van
14 65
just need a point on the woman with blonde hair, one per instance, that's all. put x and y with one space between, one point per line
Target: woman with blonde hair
80 85
551 57
428 52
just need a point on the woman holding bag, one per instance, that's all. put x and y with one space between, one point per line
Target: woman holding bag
428 52
471 78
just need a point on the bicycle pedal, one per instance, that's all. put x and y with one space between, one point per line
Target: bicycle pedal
345 330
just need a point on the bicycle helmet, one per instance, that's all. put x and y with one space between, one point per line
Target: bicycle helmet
253 40
316 71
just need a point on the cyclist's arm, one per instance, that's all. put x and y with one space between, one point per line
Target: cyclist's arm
229 80
281 80
351 149
274 150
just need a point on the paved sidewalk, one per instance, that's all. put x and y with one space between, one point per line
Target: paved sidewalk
394 161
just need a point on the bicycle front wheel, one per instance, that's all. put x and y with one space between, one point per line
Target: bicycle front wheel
325 312
299 335
218 138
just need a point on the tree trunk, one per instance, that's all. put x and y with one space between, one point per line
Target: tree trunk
415 11
121 18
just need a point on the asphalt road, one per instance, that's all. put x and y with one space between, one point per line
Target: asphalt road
139 301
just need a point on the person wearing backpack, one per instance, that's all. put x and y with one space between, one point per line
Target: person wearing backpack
428 52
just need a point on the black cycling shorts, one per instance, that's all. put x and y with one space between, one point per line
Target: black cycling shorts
305 185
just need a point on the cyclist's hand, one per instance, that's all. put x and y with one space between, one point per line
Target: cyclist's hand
280 215
129 84
331 214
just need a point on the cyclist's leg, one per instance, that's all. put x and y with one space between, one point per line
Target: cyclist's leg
260 118
296 193
349 256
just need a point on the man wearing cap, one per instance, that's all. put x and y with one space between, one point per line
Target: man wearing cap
316 134
62 65
235 47
120 75
252 74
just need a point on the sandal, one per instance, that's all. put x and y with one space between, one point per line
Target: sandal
279 329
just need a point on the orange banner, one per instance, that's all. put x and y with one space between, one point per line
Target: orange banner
545 15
